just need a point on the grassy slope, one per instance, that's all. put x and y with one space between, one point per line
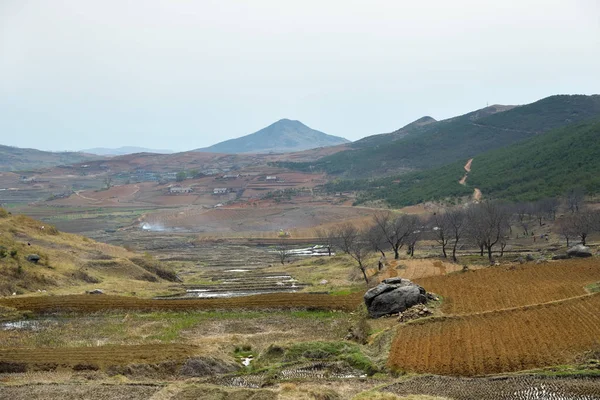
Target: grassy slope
18 159
545 165
69 263
458 138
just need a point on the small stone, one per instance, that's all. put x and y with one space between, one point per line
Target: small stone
34 258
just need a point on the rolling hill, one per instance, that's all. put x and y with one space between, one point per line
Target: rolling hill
121 151
420 146
280 137
69 263
19 159
542 166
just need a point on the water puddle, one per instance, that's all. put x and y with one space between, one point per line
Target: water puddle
247 360
31 325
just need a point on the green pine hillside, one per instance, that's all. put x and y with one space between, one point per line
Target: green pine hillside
437 143
542 166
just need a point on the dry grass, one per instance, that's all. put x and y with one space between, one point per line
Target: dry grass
69 263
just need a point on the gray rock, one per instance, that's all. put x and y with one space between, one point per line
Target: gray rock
579 250
95 291
376 291
560 257
34 258
386 299
529 257
393 281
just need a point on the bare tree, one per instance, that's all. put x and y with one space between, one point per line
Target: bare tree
490 222
108 182
565 229
359 248
457 224
376 239
441 229
550 206
579 225
575 198
523 211
283 251
327 237
346 234
395 230
411 241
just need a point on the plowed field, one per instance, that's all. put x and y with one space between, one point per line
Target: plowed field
93 303
503 341
418 268
498 288
101 356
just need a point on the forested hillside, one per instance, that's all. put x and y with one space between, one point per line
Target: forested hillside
545 165
439 143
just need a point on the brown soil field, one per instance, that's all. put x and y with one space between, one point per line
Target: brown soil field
497 342
418 268
93 303
236 219
503 287
97 357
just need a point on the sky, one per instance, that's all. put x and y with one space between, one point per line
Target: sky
181 75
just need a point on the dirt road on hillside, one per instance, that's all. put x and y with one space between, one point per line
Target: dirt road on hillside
463 181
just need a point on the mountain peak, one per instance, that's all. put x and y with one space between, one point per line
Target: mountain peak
284 135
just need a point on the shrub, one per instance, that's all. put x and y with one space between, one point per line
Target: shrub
84 276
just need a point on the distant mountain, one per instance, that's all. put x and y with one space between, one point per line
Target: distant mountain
121 151
18 159
420 146
541 166
281 137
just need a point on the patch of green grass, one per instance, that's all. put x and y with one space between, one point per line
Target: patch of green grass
347 291
593 288
317 351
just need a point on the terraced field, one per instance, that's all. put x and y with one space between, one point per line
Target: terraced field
92 357
505 319
94 303
495 342
505 287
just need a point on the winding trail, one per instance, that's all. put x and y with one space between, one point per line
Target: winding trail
463 181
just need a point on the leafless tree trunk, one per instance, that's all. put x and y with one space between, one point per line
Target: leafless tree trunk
457 223
283 251
441 228
490 222
575 198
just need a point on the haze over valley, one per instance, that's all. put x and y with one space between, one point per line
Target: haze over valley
299 200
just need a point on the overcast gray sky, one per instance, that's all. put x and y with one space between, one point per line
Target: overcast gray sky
187 74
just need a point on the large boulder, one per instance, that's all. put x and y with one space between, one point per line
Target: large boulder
579 250
393 296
